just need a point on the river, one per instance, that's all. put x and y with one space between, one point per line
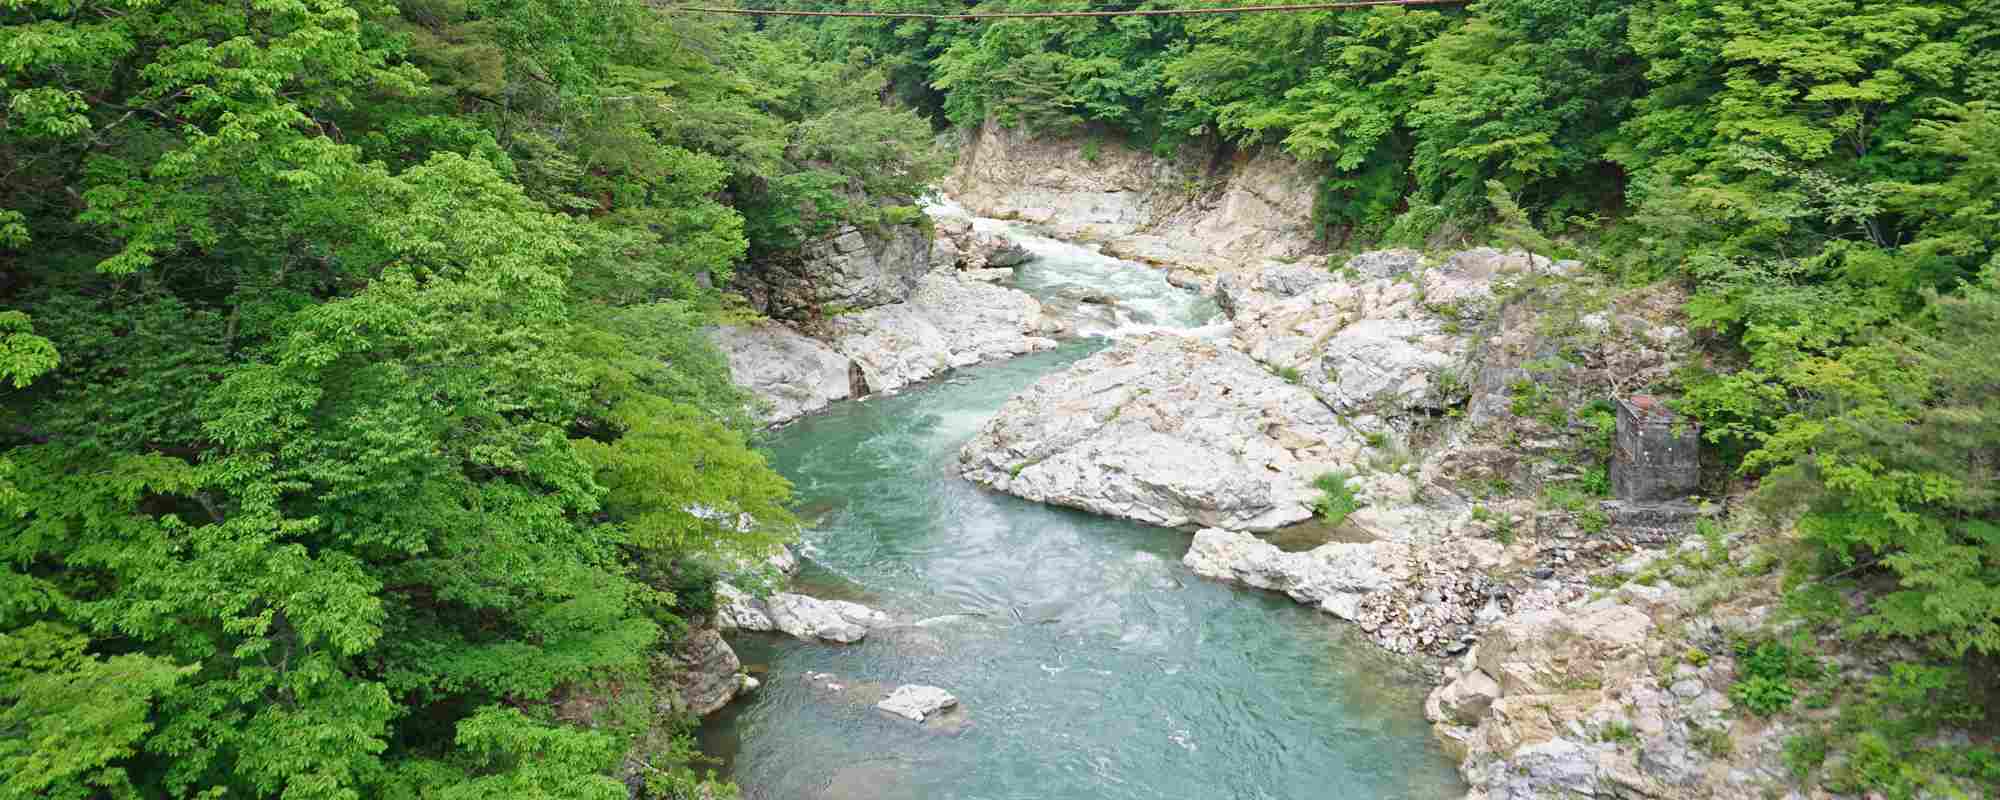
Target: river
1087 661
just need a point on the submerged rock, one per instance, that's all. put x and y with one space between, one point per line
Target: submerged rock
1165 430
915 701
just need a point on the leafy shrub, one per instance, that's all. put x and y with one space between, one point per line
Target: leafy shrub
1765 674
1763 696
1595 481
1336 499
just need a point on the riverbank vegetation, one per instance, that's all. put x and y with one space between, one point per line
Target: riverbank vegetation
357 434
1823 179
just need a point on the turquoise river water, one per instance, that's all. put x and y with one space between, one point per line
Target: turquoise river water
1087 661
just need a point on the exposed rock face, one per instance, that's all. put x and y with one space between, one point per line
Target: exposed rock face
1410 598
796 615
1242 290
1165 430
737 610
852 269
1389 338
1248 207
947 323
708 674
793 374
1620 696
914 702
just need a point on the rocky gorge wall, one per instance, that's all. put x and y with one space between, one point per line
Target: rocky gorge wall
1203 215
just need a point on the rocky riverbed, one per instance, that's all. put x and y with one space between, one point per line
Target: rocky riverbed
1447 391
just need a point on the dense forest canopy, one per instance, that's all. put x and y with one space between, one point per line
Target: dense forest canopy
356 428
356 416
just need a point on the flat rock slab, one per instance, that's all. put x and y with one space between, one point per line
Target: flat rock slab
914 702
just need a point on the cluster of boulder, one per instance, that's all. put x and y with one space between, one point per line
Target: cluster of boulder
981 255
1443 390
1624 694
870 311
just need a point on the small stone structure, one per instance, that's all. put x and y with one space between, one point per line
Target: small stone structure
1656 458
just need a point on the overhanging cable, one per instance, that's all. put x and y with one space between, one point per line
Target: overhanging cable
1148 12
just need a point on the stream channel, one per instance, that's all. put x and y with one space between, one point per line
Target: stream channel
1087 661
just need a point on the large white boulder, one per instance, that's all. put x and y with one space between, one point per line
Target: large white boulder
1165 430
791 373
1332 577
796 615
948 322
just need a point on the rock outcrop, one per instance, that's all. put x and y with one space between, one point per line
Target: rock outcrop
1391 336
960 246
1165 430
793 374
796 615
1410 598
707 674
1625 695
1332 577
1207 212
852 269
946 322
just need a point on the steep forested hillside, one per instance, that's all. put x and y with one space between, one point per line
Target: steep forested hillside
356 439
1824 178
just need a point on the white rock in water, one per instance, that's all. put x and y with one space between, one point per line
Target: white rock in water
735 609
916 701
792 374
1332 577
832 620
947 323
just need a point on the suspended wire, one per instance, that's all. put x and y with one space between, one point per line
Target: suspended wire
1136 12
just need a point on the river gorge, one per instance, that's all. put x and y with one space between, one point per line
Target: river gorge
1087 661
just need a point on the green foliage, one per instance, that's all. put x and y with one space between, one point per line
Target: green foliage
358 411
1336 498
1512 225
23 355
